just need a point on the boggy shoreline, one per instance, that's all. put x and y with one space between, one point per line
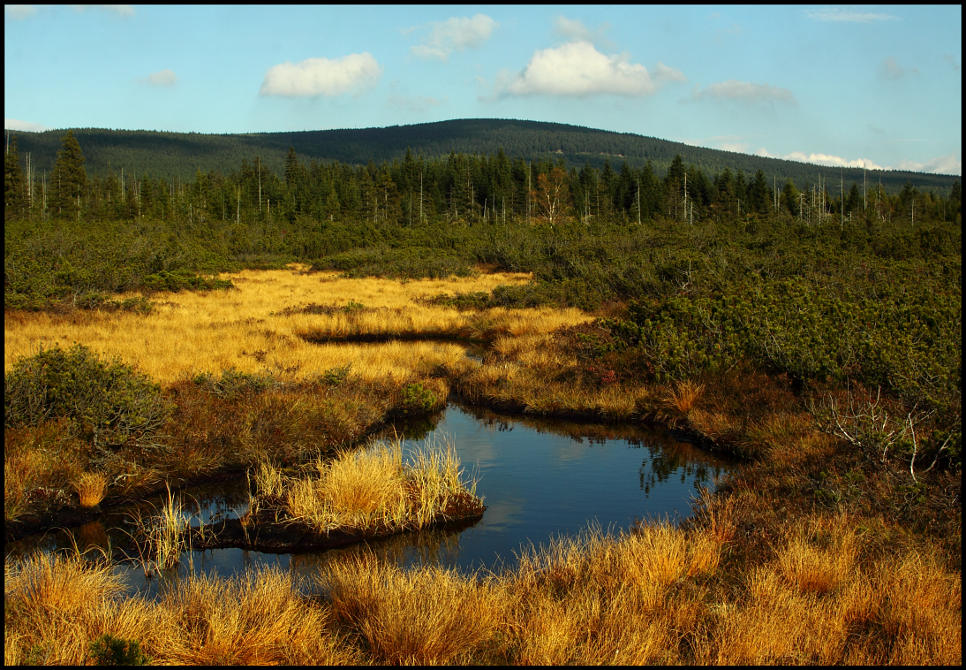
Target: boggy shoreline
265 534
70 517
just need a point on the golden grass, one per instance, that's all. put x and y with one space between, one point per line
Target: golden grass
254 619
429 616
647 597
371 488
254 328
91 488
56 605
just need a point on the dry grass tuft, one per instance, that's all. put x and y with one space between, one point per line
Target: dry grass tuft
372 488
820 555
91 488
254 619
55 605
429 616
684 396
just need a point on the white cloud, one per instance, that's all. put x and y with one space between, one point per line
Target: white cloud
578 69
19 11
164 77
950 164
455 34
322 76
828 159
745 92
841 15
25 126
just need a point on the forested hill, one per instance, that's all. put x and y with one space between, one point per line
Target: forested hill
181 155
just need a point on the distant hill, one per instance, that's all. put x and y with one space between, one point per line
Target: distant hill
172 155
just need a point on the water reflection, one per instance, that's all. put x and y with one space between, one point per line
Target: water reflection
539 479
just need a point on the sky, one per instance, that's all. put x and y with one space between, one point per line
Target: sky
859 86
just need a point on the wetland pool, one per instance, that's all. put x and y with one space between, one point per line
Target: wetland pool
539 479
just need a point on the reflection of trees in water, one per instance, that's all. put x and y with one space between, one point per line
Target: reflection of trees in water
667 461
414 428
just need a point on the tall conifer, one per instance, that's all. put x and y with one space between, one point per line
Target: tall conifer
13 183
68 179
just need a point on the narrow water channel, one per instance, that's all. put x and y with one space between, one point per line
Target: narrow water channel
540 479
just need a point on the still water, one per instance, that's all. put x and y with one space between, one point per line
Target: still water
539 480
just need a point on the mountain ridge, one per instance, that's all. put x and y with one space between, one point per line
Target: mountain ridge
170 154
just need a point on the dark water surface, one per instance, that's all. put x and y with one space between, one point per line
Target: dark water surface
539 479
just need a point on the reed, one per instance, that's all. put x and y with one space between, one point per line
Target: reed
163 537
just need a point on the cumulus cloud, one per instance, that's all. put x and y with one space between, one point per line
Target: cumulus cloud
949 164
19 11
842 15
322 76
164 77
890 69
455 34
25 126
578 69
744 91
826 159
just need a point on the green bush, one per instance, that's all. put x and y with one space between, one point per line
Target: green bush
402 263
110 650
108 404
417 399
179 280
234 383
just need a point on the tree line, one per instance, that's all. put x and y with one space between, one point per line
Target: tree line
472 189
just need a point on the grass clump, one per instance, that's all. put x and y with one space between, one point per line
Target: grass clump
371 489
419 617
91 488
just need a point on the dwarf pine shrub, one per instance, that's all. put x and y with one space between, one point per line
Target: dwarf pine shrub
110 650
108 404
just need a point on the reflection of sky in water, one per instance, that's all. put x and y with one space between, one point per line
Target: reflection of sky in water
538 479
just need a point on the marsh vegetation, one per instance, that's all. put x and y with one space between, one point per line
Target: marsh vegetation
824 352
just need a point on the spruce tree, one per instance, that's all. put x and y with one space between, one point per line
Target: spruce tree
13 197
68 179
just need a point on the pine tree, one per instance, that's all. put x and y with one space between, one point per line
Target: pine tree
68 179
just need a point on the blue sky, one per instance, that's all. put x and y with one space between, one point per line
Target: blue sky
879 86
